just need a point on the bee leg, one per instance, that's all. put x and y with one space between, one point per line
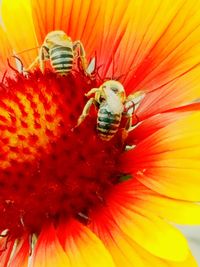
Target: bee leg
41 58
128 123
127 128
92 91
85 111
78 45
124 134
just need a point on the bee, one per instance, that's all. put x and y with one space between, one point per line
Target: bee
110 99
59 49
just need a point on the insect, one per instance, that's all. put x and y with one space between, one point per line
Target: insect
110 99
59 49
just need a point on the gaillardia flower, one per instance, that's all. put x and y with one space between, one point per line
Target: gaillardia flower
67 196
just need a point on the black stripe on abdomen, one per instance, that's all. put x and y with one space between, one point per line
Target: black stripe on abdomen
61 59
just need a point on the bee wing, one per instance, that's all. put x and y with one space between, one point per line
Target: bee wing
136 98
91 66
114 102
19 64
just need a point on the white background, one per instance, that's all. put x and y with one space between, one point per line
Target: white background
193 236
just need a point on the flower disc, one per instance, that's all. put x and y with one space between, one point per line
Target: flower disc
49 167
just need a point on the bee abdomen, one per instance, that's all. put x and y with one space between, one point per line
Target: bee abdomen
107 124
61 59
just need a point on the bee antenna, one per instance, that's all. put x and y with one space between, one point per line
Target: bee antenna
107 78
124 74
27 50
111 78
97 68
113 65
97 72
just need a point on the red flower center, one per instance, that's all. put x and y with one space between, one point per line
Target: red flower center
50 169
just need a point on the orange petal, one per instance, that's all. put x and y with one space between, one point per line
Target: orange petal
118 244
151 125
146 229
5 254
167 161
48 251
82 247
178 211
79 19
133 35
166 40
191 107
22 37
178 92
5 52
20 257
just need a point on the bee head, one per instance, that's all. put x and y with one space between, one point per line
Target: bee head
116 87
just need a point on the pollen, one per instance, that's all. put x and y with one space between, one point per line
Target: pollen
50 169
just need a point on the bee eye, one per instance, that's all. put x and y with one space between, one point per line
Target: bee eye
115 90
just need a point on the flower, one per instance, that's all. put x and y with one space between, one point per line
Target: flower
68 198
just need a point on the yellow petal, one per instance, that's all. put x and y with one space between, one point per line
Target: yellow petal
119 245
147 229
152 261
180 212
19 27
82 247
48 251
153 234
190 261
124 250
164 181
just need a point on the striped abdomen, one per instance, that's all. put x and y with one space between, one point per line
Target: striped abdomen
107 122
61 58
